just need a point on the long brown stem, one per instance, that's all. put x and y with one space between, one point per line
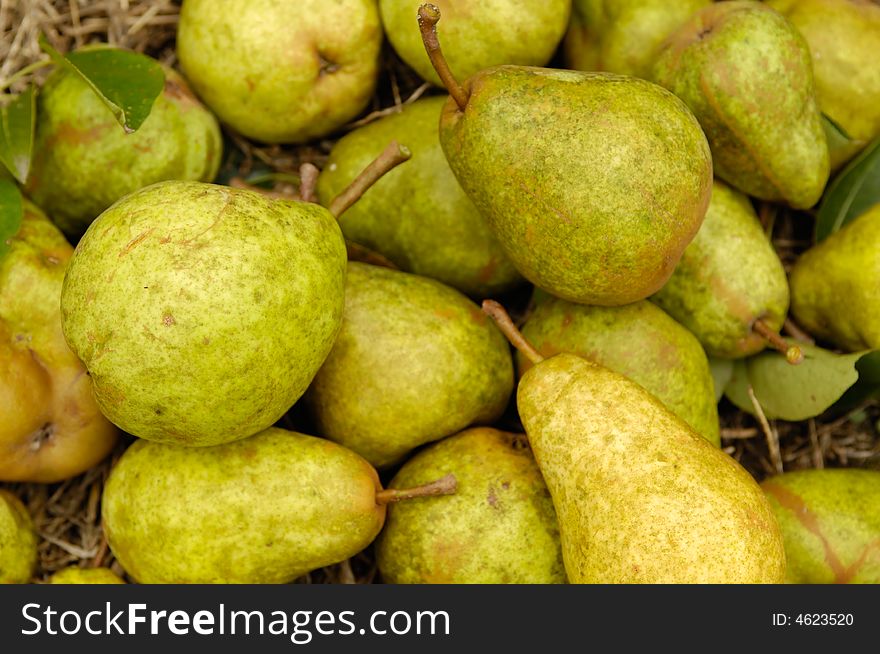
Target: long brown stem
446 485
793 354
394 155
308 179
429 15
499 314
357 252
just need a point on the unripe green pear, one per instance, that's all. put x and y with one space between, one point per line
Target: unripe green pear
84 161
18 541
76 575
281 72
830 521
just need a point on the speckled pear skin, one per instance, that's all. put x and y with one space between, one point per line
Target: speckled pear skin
18 541
84 161
415 361
498 528
417 215
728 277
835 285
51 428
637 340
593 183
640 497
279 71
202 312
746 73
830 521
844 39
477 35
263 510
85 576
623 36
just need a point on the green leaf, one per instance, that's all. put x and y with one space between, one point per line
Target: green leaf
722 371
806 390
17 134
835 134
855 190
127 82
11 212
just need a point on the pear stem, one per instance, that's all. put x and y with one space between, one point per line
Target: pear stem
429 16
391 157
357 252
444 486
27 70
793 354
308 179
499 314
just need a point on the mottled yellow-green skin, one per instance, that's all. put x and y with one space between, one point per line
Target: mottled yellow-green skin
746 73
266 509
638 340
417 215
51 428
830 521
728 277
280 71
641 497
477 34
202 312
623 36
593 183
18 541
498 528
844 40
415 361
84 161
85 576
835 285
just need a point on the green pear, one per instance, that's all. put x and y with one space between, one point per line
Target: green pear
746 73
479 34
18 541
76 575
844 40
202 312
728 279
281 72
84 161
414 361
638 340
51 427
830 521
640 496
835 285
418 216
498 528
623 36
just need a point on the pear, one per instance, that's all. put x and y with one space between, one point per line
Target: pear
623 36
415 360
51 427
479 34
746 73
281 72
835 285
418 217
266 509
84 161
202 312
18 541
593 183
844 39
830 521
640 496
729 288
498 528
76 575
639 341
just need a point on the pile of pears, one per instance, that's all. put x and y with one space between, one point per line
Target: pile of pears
287 404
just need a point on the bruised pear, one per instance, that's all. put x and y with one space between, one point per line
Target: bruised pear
79 576
18 541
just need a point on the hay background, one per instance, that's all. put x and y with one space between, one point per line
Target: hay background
67 514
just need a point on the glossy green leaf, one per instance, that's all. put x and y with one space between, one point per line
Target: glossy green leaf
127 82
11 211
17 119
722 371
855 190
